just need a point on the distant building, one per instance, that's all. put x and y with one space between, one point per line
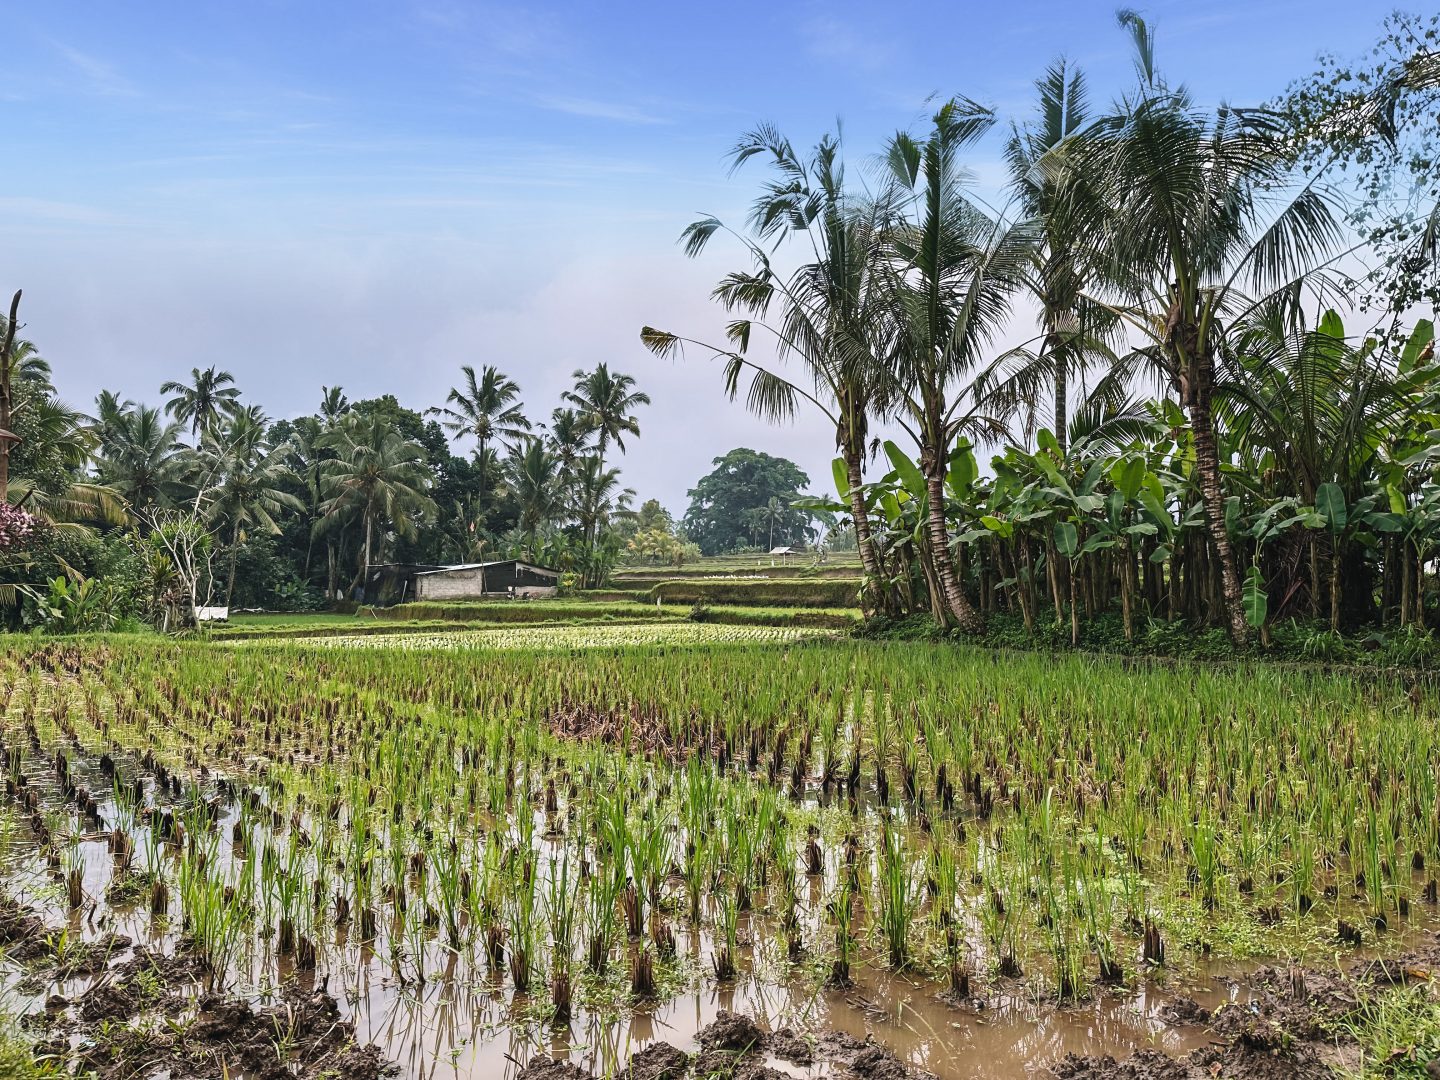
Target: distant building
395 583
787 550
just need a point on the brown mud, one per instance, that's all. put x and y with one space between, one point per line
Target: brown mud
1280 1022
141 1013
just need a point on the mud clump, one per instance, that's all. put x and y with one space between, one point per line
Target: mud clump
544 1068
1287 1027
229 1036
658 1061
866 1059
1184 1011
22 933
730 1031
789 1046
1142 1065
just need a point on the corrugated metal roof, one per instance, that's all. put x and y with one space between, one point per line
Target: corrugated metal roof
487 565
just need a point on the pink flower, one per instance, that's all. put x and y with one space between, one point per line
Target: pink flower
17 526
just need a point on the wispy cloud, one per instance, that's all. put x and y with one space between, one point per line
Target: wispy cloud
102 77
828 38
22 210
600 110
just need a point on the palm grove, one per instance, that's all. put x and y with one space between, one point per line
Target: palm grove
144 512
1144 336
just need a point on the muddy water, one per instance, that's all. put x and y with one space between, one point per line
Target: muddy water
458 1024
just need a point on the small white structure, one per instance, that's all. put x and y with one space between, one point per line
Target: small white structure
212 614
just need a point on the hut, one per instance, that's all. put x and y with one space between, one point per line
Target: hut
394 584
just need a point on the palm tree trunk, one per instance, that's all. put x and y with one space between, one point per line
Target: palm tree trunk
1334 584
234 554
1062 395
873 594
957 603
1207 469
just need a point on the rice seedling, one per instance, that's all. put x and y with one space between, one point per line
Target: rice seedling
1054 822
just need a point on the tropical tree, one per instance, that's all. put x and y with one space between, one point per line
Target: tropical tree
568 438
202 400
484 409
728 503
139 457
953 274
598 499
1191 209
250 489
1048 186
377 475
533 474
605 402
823 311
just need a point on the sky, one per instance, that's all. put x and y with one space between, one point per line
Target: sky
371 193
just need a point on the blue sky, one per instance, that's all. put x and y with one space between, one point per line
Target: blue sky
372 194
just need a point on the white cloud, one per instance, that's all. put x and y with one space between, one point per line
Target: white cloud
600 110
101 77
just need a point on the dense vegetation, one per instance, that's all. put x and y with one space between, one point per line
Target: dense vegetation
1285 468
141 511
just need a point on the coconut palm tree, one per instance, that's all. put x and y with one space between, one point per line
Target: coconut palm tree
484 409
139 457
1195 226
250 486
823 317
605 402
201 401
378 475
569 440
333 404
598 497
58 444
954 272
1048 185
533 473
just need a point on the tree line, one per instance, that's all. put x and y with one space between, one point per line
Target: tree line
147 511
1145 337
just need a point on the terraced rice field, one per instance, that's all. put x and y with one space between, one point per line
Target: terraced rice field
456 852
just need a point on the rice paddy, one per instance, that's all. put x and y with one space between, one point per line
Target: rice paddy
498 842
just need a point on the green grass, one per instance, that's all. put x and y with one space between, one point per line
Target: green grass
1398 1033
795 592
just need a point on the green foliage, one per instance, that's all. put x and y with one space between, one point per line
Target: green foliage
746 502
68 607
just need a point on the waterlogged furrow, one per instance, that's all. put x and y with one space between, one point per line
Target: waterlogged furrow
578 830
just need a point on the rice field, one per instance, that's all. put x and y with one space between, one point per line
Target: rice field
489 843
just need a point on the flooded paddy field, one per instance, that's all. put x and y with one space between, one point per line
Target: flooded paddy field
708 856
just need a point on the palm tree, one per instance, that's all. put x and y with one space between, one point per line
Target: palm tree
1047 186
333 404
486 408
605 402
250 486
46 467
598 497
954 274
1192 208
533 474
201 402
139 457
569 440
824 310
1323 411
379 475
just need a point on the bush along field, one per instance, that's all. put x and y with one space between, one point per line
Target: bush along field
643 831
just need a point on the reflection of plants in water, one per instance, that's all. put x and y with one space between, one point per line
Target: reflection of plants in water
516 810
